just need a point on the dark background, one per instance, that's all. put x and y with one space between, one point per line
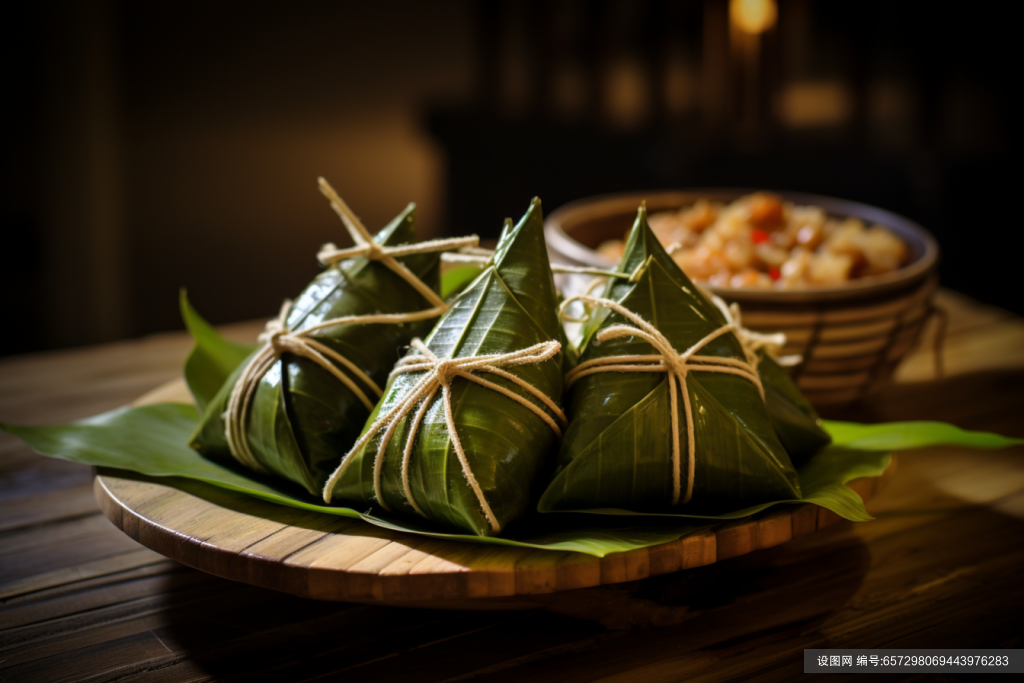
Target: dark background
158 145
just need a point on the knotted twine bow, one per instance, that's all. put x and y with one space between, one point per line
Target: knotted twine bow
676 365
439 375
278 339
752 341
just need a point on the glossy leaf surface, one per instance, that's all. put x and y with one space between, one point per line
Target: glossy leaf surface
617 453
302 418
456 279
509 307
796 423
906 435
212 359
152 440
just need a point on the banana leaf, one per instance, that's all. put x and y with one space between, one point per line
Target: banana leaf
212 358
152 441
617 451
509 307
795 420
301 416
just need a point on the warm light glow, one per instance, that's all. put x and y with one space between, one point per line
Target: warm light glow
810 104
753 16
626 93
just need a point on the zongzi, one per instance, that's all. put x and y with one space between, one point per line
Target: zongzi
796 423
301 398
667 407
470 415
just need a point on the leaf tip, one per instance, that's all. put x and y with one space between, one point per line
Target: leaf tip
188 313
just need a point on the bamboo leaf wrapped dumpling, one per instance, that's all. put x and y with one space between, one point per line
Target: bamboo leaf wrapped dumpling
471 413
796 423
667 411
310 386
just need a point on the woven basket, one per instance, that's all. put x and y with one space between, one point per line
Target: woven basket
851 337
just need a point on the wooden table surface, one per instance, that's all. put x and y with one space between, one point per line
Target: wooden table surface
939 567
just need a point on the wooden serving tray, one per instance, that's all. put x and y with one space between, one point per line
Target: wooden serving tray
324 557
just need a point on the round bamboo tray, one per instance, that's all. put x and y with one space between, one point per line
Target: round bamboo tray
324 557
851 337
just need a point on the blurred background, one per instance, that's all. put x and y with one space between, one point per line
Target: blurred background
159 145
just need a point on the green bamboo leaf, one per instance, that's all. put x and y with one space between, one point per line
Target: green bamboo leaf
454 280
901 436
617 452
825 476
823 482
302 417
212 359
521 257
642 247
733 469
794 419
511 306
150 440
857 451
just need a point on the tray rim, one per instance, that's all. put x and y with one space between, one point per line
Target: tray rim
511 574
435 576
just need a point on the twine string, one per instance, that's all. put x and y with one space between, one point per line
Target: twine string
677 365
277 339
439 374
480 256
752 341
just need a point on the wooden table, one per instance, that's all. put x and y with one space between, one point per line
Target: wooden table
940 567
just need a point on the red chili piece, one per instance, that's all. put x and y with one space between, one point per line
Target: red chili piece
759 236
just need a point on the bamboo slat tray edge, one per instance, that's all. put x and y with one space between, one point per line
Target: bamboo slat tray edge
316 556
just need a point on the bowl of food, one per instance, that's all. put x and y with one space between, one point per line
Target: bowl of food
851 285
